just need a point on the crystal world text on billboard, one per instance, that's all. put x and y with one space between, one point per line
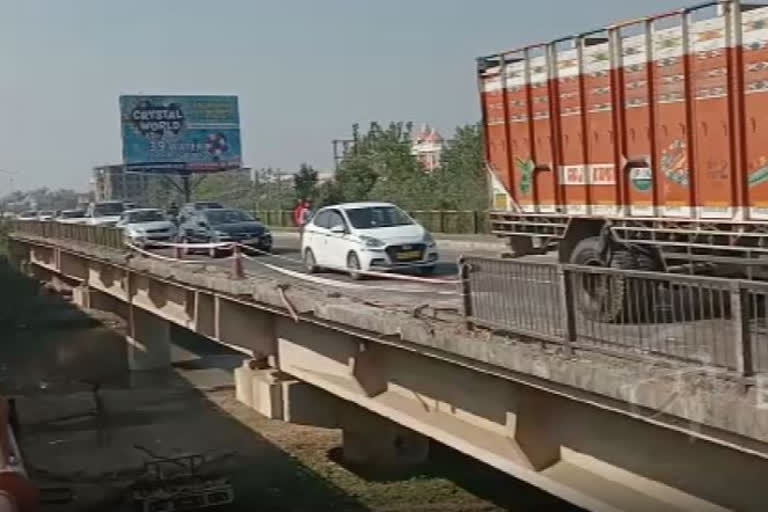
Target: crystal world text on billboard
180 133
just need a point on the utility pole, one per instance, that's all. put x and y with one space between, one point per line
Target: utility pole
340 148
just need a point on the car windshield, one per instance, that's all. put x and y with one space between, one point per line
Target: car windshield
103 209
72 214
216 217
378 217
28 215
145 216
47 213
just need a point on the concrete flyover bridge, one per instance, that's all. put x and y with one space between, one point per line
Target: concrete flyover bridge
605 430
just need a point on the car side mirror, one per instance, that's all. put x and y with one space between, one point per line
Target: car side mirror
338 229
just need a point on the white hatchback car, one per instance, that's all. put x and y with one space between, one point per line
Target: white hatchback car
367 236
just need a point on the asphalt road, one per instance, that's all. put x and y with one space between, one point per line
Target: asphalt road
285 262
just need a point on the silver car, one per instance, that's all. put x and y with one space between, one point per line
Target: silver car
145 227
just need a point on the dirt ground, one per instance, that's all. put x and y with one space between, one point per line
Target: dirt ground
88 428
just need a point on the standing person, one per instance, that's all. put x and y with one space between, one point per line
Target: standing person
297 213
301 215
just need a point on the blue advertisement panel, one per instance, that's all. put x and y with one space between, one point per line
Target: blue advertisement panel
180 133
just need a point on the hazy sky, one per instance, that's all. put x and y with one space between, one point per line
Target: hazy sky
304 70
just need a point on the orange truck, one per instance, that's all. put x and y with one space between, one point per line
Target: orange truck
641 145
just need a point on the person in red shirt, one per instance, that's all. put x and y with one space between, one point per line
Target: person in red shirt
301 215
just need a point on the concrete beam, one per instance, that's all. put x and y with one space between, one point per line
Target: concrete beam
73 266
240 325
168 301
365 370
87 297
149 341
43 256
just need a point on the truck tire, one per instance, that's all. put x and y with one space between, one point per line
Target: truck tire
598 297
606 298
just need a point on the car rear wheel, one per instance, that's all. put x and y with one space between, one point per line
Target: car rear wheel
353 266
309 261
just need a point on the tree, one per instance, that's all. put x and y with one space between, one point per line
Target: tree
328 193
305 182
461 182
380 166
273 190
233 188
161 192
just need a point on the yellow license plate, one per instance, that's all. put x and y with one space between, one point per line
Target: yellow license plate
409 255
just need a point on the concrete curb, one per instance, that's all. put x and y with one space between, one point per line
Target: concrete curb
451 244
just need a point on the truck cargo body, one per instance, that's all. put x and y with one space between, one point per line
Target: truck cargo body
656 129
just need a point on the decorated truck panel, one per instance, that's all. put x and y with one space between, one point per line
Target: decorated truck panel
663 117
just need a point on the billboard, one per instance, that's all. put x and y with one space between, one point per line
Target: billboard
180 133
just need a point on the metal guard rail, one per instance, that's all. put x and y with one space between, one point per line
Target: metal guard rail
704 321
94 235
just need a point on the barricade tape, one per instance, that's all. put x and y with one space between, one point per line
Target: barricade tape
342 284
212 245
161 257
371 273
303 275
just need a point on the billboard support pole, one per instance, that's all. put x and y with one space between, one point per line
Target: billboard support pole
186 189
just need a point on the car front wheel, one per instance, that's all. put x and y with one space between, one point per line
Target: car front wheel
310 265
353 266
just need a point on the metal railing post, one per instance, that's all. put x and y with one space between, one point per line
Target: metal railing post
466 292
567 309
740 322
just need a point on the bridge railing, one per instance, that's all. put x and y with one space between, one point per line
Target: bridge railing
706 321
436 221
95 235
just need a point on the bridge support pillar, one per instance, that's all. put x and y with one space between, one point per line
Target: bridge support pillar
375 442
260 388
149 341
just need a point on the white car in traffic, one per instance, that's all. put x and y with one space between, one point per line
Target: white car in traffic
104 213
145 227
71 217
367 237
